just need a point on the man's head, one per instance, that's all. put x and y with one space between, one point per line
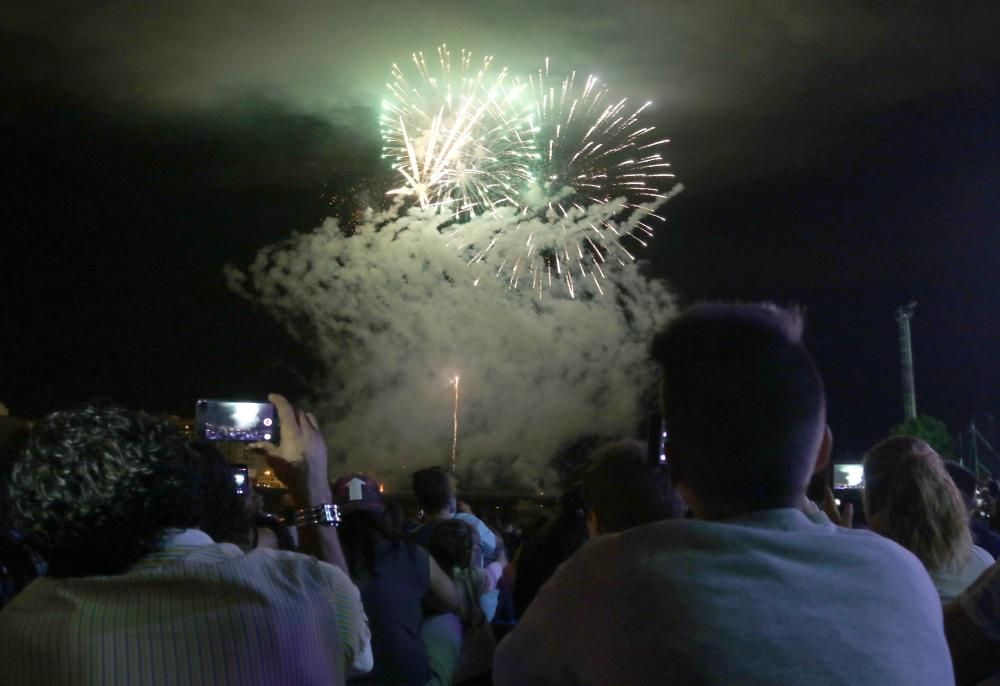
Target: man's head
96 487
743 405
622 490
433 490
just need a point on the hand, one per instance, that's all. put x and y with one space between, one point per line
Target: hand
808 507
463 506
841 517
300 459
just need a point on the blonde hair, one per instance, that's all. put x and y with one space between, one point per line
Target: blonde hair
910 498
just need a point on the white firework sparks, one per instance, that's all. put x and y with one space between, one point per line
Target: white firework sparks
460 137
593 150
594 146
547 148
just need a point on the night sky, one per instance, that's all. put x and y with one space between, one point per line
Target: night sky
834 155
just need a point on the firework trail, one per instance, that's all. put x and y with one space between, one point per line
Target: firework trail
454 429
459 136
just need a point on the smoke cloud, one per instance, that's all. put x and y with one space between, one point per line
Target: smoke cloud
394 311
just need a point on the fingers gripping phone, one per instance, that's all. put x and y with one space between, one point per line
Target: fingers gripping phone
227 420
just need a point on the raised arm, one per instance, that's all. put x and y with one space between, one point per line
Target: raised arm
300 461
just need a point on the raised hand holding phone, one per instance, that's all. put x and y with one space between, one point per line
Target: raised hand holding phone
300 461
300 458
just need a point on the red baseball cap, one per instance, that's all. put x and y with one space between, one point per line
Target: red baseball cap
357 492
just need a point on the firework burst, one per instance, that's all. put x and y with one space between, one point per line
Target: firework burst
591 151
547 150
594 148
459 135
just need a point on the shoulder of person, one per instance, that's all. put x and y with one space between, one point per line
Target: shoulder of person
983 556
302 567
471 519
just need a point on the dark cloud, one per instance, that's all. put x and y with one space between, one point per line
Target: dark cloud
742 79
690 55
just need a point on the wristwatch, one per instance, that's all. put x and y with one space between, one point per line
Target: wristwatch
326 514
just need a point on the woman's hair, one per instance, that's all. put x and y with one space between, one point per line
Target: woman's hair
451 545
910 498
96 487
359 532
393 516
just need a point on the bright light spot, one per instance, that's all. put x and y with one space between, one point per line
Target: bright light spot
244 415
853 475
268 421
267 437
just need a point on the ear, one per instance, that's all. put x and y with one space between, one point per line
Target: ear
593 526
874 521
824 452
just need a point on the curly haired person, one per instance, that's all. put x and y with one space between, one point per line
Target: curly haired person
138 594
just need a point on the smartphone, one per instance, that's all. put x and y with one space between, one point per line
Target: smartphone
241 478
227 420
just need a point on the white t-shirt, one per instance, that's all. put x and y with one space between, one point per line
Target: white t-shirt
950 584
768 599
196 612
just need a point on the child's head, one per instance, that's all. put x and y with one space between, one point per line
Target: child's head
452 544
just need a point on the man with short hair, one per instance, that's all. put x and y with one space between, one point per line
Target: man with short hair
621 490
137 594
751 591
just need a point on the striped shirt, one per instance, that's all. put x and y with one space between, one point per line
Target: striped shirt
205 613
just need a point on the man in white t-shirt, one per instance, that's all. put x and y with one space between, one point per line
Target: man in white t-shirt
751 591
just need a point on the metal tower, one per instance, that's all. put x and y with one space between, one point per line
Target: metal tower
903 315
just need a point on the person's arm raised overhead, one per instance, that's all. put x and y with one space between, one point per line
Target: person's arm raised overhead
300 461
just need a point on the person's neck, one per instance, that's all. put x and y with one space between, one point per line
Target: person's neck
438 516
717 512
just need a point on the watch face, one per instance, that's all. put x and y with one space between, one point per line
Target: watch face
323 515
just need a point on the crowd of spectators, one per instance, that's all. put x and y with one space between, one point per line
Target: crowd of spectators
128 557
